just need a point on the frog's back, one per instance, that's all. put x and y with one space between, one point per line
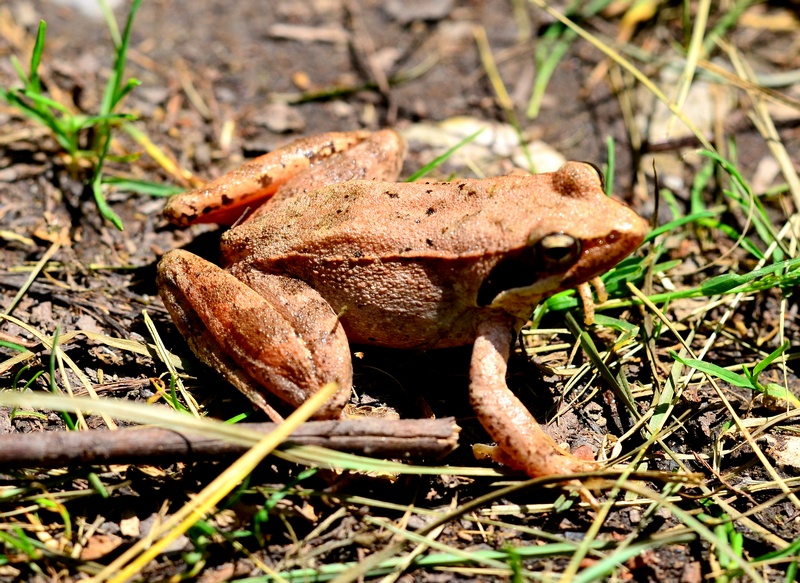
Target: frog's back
383 220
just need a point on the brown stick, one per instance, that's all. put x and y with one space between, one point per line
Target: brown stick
383 438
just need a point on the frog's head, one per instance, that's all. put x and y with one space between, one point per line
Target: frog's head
582 234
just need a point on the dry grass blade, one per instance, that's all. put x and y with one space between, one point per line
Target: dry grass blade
163 354
721 394
417 551
698 527
693 56
628 66
133 560
240 434
503 98
428 540
485 51
163 159
135 346
766 127
137 412
48 343
61 239
325 458
749 86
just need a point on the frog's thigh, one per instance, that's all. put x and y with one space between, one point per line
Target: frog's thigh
208 350
312 320
257 332
503 415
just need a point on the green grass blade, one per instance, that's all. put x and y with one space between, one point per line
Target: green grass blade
674 224
732 378
439 159
42 117
44 102
610 165
727 20
734 235
12 346
113 91
743 194
790 551
699 184
129 86
729 281
111 23
102 205
552 47
97 189
23 76
52 372
548 55
94 120
33 81
20 542
143 186
769 359
602 569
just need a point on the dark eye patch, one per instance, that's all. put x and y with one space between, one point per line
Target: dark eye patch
554 253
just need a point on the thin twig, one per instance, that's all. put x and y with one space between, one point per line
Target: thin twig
383 438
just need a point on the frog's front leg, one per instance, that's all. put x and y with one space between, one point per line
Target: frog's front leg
267 332
521 439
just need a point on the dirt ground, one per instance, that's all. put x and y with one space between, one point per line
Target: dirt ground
226 81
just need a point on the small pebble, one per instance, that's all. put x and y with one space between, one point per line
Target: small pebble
405 11
280 118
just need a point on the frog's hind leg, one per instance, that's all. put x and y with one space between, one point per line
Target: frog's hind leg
210 352
283 337
224 200
523 442
379 158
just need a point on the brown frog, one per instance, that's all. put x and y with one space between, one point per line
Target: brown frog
339 251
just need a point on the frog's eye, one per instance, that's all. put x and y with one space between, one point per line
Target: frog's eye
559 250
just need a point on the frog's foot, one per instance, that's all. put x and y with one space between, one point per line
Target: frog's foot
281 336
524 444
